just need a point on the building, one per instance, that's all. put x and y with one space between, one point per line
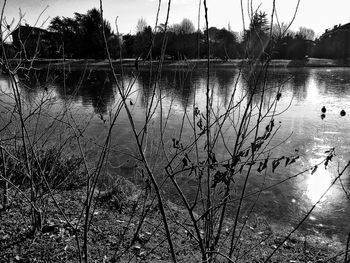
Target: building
334 43
33 42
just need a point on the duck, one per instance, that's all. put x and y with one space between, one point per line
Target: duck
323 109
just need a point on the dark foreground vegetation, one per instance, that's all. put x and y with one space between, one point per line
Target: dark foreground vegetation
112 236
116 232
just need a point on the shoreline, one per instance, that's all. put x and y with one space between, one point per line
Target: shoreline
259 236
191 63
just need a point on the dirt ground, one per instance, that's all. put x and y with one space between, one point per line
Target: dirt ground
112 235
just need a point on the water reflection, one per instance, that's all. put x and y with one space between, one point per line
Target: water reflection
226 81
318 182
299 83
175 85
92 88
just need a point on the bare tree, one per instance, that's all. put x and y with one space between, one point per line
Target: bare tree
186 26
306 33
141 25
280 30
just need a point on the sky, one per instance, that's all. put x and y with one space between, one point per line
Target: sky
315 14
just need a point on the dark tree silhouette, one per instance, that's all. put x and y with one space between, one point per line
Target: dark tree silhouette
224 43
143 43
75 33
256 39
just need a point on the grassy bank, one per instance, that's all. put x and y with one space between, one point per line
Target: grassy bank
117 217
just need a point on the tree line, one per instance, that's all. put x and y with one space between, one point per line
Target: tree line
81 37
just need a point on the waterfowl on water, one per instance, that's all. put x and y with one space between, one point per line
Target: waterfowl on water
323 109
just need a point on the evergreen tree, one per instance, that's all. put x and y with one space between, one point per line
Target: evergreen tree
256 39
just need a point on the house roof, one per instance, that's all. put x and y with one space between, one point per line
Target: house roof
28 29
346 26
336 29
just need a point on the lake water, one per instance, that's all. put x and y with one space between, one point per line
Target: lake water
91 94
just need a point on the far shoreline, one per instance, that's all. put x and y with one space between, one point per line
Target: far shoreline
190 63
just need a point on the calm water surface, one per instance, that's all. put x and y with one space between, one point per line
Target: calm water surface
304 93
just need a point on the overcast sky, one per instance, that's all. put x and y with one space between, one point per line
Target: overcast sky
316 14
